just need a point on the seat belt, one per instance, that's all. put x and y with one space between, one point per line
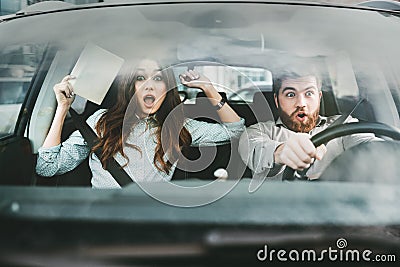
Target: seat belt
113 167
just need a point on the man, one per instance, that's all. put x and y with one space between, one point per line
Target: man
267 147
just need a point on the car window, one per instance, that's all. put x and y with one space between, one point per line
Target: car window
18 64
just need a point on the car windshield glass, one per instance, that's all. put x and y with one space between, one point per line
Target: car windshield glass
199 133
240 47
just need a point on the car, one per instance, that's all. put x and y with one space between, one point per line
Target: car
215 212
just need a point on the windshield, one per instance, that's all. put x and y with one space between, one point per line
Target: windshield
185 110
240 47
350 54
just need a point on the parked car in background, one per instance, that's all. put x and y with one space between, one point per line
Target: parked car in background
206 216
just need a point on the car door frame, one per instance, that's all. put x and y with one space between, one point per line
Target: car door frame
17 159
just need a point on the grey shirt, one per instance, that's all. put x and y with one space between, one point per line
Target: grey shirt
258 143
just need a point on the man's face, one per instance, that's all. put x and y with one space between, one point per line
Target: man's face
298 103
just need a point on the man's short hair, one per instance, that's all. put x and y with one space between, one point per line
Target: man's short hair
294 72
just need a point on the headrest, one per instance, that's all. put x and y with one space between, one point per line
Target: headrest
260 100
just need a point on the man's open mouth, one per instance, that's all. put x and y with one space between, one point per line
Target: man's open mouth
301 116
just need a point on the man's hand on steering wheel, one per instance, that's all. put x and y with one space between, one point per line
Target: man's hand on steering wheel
298 152
343 130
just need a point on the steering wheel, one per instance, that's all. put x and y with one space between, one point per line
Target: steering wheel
343 130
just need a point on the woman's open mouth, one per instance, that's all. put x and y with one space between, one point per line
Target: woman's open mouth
149 100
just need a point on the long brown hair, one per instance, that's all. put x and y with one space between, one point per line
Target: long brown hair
115 125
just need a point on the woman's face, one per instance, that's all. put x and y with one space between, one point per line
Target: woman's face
150 88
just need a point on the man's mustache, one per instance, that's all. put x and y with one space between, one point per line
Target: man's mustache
297 110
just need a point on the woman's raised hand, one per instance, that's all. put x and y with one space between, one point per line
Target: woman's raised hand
192 78
64 92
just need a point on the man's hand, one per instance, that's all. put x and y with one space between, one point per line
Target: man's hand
298 152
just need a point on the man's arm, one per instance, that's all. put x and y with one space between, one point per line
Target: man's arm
356 139
263 154
298 152
256 148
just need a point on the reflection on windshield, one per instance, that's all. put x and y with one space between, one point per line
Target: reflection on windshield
240 47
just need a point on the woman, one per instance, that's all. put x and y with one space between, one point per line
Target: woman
144 131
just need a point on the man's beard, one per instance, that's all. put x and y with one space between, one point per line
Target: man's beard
299 126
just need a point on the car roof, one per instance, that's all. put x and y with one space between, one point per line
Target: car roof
54 6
